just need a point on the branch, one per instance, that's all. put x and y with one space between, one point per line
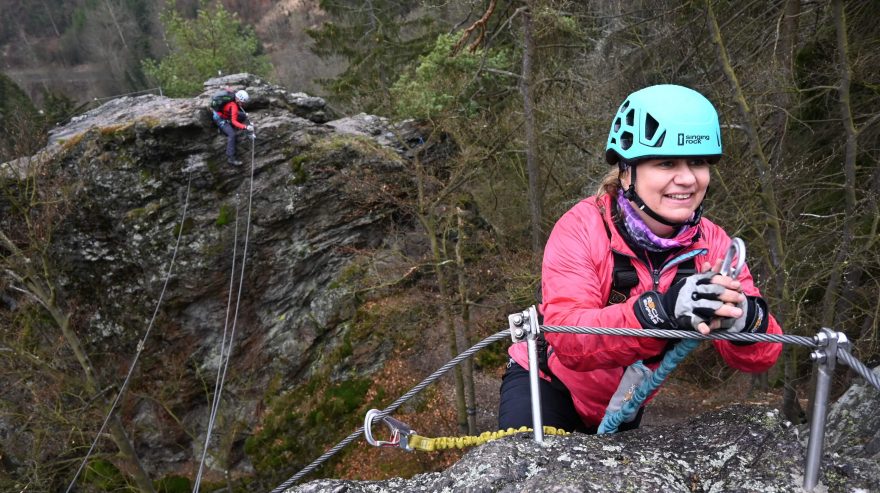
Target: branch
868 123
478 24
502 72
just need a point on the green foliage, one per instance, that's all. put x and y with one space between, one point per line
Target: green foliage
378 39
58 108
13 100
300 423
297 168
24 128
103 475
493 356
442 82
174 484
548 19
224 216
216 40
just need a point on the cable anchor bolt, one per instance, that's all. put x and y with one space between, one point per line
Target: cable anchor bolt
521 325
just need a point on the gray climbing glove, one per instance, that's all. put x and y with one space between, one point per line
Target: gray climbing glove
754 319
688 302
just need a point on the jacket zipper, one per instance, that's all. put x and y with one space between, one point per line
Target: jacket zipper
656 273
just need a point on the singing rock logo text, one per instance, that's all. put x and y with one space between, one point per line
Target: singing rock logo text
691 139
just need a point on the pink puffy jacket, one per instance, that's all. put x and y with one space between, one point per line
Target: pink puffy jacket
576 283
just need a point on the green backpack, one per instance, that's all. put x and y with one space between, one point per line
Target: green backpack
219 99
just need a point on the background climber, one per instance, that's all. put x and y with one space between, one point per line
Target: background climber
231 119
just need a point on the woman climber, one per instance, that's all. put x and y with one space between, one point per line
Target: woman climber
638 254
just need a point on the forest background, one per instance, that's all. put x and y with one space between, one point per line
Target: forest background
525 90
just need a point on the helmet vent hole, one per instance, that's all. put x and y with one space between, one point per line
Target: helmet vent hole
624 106
660 140
630 117
626 140
613 140
651 126
617 124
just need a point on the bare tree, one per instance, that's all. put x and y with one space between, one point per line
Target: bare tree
37 208
532 165
844 249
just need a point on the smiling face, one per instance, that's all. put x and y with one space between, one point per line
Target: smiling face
671 187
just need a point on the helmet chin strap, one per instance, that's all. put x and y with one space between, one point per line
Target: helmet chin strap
631 194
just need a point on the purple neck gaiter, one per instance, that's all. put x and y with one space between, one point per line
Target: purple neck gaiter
642 235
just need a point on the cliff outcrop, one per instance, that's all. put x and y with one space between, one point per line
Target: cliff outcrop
320 192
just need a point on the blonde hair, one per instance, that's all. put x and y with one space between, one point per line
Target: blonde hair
610 183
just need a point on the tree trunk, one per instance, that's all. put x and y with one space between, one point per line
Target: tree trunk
428 221
525 86
116 24
449 323
786 99
768 195
838 272
464 333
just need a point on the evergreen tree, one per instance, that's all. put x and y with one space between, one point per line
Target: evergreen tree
378 39
214 42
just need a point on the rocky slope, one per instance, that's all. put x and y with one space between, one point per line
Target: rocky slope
739 449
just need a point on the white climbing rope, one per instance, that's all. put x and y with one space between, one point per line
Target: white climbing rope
215 402
224 365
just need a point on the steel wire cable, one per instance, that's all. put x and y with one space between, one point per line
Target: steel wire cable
393 407
225 362
844 355
141 344
669 334
682 334
858 367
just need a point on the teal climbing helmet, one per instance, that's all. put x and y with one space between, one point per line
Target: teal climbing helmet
664 121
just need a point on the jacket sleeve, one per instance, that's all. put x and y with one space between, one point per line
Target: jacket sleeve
752 358
233 116
575 281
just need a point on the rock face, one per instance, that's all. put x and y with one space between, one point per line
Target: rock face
853 428
321 192
739 449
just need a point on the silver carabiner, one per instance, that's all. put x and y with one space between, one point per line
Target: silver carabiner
400 432
737 249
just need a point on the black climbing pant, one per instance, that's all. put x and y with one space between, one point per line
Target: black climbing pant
557 408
